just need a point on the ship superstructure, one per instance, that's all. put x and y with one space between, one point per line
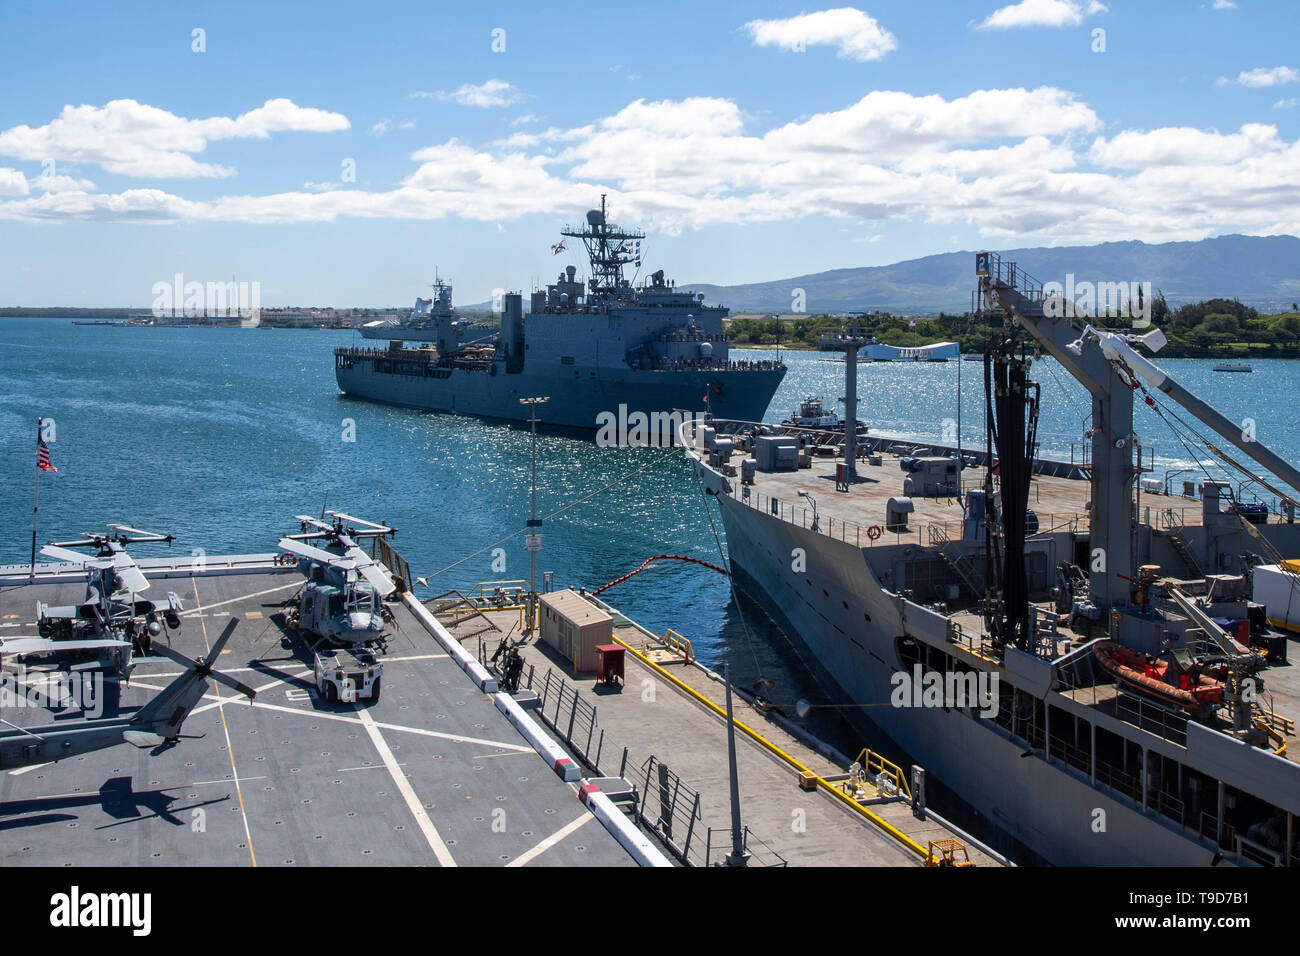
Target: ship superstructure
599 346
1122 694
432 320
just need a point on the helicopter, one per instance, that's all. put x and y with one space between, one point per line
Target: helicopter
343 600
112 609
156 724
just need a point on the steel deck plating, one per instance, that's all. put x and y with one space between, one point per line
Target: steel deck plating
433 774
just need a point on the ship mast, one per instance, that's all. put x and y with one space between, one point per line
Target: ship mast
607 250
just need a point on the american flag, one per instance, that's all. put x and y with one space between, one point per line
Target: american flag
558 248
43 455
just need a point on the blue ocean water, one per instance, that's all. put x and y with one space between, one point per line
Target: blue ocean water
222 435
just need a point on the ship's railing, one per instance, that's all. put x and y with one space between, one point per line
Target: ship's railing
1069 754
931 533
1010 274
1119 780
1152 718
670 809
718 848
874 765
498 595
1256 852
571 716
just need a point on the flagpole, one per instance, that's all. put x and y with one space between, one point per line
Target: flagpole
36 505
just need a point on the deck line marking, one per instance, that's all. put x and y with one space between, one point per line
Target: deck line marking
306 668
404 787
402 728
243 813
22 770
550 841
198 609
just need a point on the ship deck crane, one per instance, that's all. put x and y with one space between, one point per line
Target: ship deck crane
1107 364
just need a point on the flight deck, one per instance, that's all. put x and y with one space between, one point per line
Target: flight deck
432 774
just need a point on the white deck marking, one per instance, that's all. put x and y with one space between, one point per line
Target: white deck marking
243 597
243 813
404 787
306 668
550 841
22 770
300 712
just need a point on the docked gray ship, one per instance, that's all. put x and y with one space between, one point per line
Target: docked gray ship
602 346
426 317
1093 662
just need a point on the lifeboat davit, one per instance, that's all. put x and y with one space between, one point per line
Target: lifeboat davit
1158 678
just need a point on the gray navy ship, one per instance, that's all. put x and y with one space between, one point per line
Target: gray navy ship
600 347
425 319
1093 662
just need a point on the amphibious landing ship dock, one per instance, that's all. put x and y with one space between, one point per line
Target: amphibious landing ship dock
1138 647
591 347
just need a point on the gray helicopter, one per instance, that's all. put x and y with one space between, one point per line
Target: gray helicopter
156 724
343 602
112 609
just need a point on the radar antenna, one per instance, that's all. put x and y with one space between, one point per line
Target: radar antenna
609 248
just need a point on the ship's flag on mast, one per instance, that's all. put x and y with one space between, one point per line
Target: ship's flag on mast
43 454
558 248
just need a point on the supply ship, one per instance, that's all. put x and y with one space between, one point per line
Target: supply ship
1093 664
604 346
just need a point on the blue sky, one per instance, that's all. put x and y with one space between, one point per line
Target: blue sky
753 141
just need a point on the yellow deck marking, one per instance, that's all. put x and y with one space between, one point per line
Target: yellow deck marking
226 729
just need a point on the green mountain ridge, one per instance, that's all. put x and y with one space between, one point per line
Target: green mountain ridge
1261 271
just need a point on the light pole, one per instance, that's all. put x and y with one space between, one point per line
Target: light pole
738 856
533 541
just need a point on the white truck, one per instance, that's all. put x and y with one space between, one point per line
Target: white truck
348 674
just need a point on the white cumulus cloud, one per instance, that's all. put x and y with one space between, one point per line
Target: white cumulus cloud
486 95
1268 76
856 35
1041 13
132 139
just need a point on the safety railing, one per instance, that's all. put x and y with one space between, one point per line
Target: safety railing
388 556
571 716
498 595
871 768
669 808
1152 718
677 644
718 847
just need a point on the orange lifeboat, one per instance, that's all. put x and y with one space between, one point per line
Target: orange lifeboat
1158 678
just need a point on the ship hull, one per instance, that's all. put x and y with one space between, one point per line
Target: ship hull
580 396
843 624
